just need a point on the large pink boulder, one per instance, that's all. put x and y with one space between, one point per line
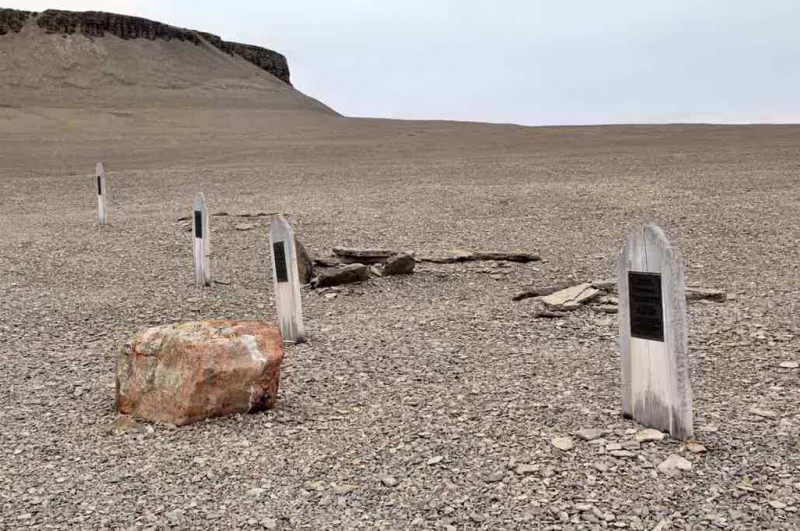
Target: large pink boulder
182 373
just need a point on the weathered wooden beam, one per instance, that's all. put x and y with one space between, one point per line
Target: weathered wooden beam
656 388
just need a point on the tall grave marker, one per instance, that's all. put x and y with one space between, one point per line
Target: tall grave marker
287 282
201 229
656 391
100 177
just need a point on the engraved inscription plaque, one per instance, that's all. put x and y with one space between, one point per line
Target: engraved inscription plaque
198 224
647 315
281 272
99 186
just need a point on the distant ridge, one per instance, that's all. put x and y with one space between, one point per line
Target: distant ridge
98 24
97 60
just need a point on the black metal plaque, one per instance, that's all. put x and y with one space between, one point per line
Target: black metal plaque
99 186
647 314
281 270
198 224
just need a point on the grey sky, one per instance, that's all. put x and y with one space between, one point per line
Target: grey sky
522 61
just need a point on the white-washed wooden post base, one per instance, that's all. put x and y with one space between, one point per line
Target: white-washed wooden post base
201 229
656 390
100 176
287 282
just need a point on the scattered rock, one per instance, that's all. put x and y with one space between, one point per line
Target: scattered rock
494 477
607 308
631 445
244 226
589 434
342 275
765 413
650 435
608 285
187 372
622 453
570 298
435 460
696 447
674 465
389 481
539 292
542 313
663 525
326 262
255 493
363 256
123 424
344 489
775 504
564 444
525 470
399 264
790 365
613 447
697 294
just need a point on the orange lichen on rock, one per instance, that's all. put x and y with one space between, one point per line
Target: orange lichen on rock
183 373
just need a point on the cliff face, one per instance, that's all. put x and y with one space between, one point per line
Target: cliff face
98 24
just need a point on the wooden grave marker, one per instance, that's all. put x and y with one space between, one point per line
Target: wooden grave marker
286 280
102 192
656 390
201 229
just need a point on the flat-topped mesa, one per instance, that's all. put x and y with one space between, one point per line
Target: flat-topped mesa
99 24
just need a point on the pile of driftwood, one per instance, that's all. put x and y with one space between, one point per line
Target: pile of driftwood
348 265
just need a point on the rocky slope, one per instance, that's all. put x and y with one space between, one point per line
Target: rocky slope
99 24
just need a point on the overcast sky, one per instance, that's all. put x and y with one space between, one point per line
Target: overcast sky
522 61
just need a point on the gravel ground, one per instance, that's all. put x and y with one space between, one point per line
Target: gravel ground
418 400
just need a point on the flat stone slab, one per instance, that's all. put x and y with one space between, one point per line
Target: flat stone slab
342 275
705 294
571 298
363 256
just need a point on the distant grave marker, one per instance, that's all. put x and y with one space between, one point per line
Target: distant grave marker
100 176
201 230
656 391
287 283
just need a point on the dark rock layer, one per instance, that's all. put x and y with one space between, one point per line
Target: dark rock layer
12 20
98 24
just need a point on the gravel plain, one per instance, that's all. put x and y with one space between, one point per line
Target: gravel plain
421 402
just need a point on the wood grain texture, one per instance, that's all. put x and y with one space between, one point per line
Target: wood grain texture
656 388
287 294
102 192
202 243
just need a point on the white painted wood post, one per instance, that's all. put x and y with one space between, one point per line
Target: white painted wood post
286 280
201 229
656 389
102 192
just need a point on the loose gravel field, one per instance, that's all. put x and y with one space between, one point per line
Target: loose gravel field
420 402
